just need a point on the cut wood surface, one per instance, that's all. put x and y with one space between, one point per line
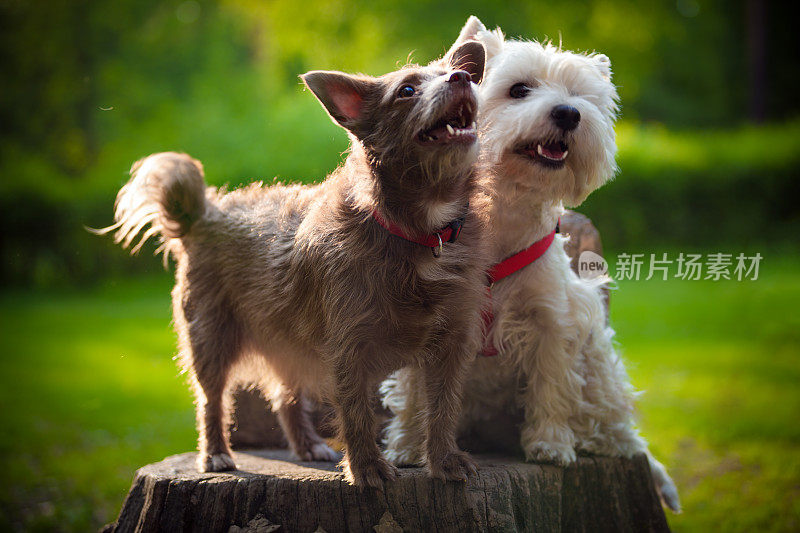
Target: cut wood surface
272 492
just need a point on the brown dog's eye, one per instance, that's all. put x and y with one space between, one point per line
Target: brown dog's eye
519 90
406 91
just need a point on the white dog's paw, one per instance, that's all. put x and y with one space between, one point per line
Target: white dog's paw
319 452
402 457
215 462
549 444
549 452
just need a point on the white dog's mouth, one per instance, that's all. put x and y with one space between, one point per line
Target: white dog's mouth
552 154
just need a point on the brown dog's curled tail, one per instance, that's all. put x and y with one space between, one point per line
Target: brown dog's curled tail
166 191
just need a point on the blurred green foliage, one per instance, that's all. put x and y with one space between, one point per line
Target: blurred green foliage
702 188
88 87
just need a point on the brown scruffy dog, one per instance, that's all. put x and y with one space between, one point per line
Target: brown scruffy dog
313 285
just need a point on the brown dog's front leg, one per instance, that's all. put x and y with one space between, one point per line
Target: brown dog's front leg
363 463
443 383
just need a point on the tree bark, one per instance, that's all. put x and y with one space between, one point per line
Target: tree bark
272 492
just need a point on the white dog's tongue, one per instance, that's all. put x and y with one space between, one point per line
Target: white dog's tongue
552 151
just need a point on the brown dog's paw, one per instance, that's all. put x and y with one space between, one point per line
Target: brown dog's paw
215 462
455 466
371 474
319 452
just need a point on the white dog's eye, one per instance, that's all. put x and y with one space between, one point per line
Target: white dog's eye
519 90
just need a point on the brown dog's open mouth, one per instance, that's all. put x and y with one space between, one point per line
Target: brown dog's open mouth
457 126
552 154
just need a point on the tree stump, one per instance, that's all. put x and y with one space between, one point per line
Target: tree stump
272 492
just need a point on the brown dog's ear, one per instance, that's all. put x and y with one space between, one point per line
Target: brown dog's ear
473 57
470 59
468 33
342 94
470 56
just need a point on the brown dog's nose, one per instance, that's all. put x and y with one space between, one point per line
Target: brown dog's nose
461 76
566 117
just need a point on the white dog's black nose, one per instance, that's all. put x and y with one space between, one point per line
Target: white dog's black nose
566 117
460 76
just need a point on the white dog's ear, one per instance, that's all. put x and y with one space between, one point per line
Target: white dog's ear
470 56
341 94
493 41
603 65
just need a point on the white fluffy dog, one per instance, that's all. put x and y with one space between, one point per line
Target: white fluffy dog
547 136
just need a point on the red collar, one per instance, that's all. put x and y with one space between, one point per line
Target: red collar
505 268
521 259
433 241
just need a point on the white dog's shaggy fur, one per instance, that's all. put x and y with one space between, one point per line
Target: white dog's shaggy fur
556 354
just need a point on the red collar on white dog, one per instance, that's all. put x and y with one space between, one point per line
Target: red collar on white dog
521 259
434 241
505 268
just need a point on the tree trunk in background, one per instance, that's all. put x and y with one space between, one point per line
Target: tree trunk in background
271 492
755 15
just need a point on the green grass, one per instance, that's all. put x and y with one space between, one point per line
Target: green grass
720 366
88 393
